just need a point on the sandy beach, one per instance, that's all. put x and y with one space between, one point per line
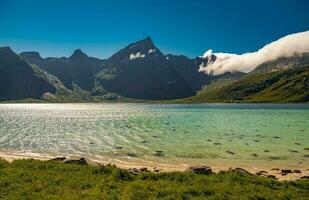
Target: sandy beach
266 170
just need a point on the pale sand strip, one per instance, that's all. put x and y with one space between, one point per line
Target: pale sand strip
216 167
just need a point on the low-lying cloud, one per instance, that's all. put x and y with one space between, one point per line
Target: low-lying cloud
286 46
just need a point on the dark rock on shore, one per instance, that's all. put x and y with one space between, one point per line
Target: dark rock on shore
286 171
240 170
272 176
305 177
58 159
297 171
80 161
261 173
199 170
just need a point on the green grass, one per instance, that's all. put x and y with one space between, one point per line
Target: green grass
33 179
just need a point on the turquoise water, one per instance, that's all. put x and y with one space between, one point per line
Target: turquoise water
171 134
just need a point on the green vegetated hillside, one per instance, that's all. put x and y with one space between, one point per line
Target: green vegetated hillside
33 179
282 86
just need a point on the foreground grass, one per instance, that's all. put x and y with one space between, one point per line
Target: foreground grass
33 179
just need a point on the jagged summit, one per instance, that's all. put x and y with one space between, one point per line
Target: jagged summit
78 53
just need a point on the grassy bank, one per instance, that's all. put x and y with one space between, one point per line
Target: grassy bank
33 179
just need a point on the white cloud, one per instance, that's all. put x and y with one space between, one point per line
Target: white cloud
284 47
136 56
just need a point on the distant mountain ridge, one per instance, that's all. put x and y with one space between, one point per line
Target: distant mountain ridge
18 79
141 71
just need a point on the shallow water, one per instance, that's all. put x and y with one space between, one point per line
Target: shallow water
171 134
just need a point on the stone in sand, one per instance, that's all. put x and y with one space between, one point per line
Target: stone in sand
230 152
297 143
209 140
304 177
256 141
275 169
118 147
306 156
276 137
200 169
240 170
266 151
254 155
261 173
297 171
143 169
272 176
92 143
144 141
154 136
306 149
217 143
286 171
80 161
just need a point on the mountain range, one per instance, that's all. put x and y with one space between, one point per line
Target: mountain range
140 71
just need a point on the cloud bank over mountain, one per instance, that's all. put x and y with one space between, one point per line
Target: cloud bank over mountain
286 46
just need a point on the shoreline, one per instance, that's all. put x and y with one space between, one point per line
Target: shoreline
267 170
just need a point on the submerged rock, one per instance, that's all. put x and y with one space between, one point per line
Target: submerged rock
293 151
230 152
274 158
306 149
159 153
254 155
296 143
217 143
200 169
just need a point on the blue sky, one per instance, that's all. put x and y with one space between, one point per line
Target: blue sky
188 27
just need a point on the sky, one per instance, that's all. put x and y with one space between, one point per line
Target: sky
188 27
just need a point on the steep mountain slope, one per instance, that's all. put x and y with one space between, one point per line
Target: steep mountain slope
283 63
282 86
188 69
78 68
18 79
141 71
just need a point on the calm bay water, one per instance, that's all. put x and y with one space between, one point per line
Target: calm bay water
171 134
